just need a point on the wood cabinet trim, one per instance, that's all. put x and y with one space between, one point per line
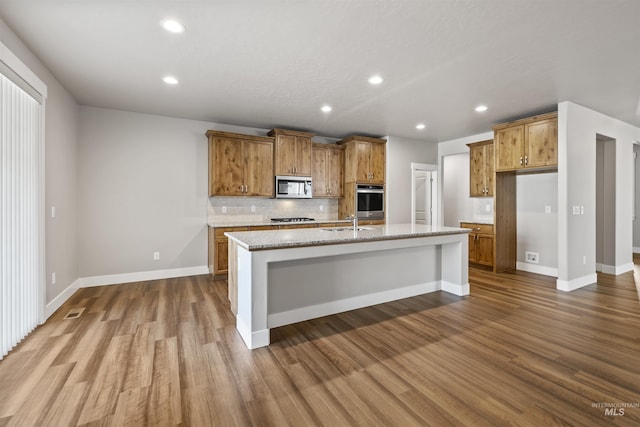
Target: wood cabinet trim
527 120
221 134
363 139
277 131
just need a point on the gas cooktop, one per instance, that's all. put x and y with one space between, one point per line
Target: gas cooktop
297 219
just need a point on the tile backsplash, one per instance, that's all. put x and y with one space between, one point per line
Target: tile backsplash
240 209
482 208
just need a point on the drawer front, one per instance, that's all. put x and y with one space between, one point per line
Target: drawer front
262 227
478 228
290 226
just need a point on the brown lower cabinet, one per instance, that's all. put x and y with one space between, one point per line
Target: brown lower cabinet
480 243
218 258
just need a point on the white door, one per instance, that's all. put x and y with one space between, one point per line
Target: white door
423 197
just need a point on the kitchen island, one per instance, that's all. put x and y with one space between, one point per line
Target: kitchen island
287 276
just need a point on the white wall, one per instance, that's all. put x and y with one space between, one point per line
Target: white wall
142 188
537 230
636 221
577 130
401 152
457 205
454 202
61 115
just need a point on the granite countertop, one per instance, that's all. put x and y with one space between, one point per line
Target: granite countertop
254 222
478 221
261 240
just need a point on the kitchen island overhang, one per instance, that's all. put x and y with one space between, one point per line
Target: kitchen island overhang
287 276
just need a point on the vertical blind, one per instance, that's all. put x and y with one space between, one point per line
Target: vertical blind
21 225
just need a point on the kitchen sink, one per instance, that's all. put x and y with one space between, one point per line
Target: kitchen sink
345 228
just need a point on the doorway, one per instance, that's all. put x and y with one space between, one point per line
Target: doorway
424 192
605 204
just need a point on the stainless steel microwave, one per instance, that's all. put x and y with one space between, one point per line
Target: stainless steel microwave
293 187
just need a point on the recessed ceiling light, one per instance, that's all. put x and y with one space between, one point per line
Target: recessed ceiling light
326 108
420 126
375 80
170 80
481 108
172 26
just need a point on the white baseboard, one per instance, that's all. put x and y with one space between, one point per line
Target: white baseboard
614 269
452 288
60 299
538 269
112 279
87 282
580 282
333 307
255 339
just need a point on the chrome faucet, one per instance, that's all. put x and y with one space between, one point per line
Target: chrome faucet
354 221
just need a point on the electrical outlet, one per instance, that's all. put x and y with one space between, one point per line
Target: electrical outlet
487 208
224 209
253 208
532 257
547 209
53 278
156 256
321 208
576 210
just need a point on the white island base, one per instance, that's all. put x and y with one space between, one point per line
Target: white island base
283 285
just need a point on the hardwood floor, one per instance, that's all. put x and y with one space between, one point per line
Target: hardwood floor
514 352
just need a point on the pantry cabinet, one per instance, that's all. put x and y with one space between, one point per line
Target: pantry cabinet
240 165
530 143
327 170
364 159
481 170
480 243
292 155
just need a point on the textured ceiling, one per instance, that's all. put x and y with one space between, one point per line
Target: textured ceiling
274 63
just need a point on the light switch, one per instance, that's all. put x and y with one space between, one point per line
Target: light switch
53 211
547 209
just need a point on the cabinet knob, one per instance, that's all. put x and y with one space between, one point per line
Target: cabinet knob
526 160
520 161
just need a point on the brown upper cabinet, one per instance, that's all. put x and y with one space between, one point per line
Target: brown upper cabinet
527 144
327 170
481 171
240 165
364 159
292 154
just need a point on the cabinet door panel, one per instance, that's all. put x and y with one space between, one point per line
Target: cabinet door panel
227 167
363 153
222 256
472 247
377 162
335 167
285 154
489 170
303 156
319 171
509 148
258 170
476 171
484 250
542 143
